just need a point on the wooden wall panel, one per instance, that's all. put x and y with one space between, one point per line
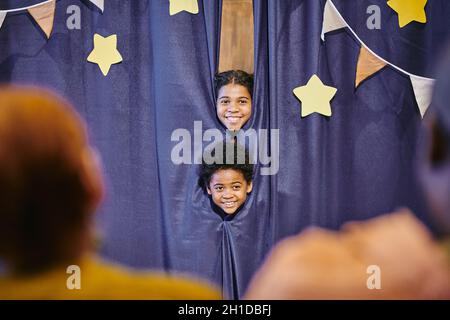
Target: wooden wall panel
236 38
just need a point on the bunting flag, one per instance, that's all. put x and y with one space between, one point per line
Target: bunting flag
332 20
369 62
44 16
423 89
2 17
99 3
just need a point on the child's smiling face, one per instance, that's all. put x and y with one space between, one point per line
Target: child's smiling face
234 106
228 189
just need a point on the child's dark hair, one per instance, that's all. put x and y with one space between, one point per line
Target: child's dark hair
231 156
235 77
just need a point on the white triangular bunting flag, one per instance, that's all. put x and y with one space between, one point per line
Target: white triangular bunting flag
423 90
332 20
44 16
2 17
99 3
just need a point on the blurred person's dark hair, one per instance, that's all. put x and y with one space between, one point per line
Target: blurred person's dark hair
49 181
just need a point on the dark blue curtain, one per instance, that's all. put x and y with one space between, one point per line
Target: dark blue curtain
355 165
358 163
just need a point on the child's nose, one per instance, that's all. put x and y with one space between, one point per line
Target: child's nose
227 194
232 107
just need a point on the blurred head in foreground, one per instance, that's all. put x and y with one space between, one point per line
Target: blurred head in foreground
434 153
50 186
50 182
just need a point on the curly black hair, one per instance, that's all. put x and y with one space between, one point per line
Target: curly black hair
236 77
231 156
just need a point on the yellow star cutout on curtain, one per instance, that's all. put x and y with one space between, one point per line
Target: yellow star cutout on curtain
315 97
105 52
409 11
176 6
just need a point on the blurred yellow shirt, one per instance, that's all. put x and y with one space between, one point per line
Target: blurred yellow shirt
101 280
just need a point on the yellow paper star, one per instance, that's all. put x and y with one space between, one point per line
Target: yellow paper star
409 11
315 97
105 52
177 6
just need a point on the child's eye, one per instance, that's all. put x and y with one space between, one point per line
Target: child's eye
236 188
225 101
218 188
242 101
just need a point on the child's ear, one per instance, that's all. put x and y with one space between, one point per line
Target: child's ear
208 190
249 187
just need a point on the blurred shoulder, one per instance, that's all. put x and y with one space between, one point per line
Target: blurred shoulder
126 283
